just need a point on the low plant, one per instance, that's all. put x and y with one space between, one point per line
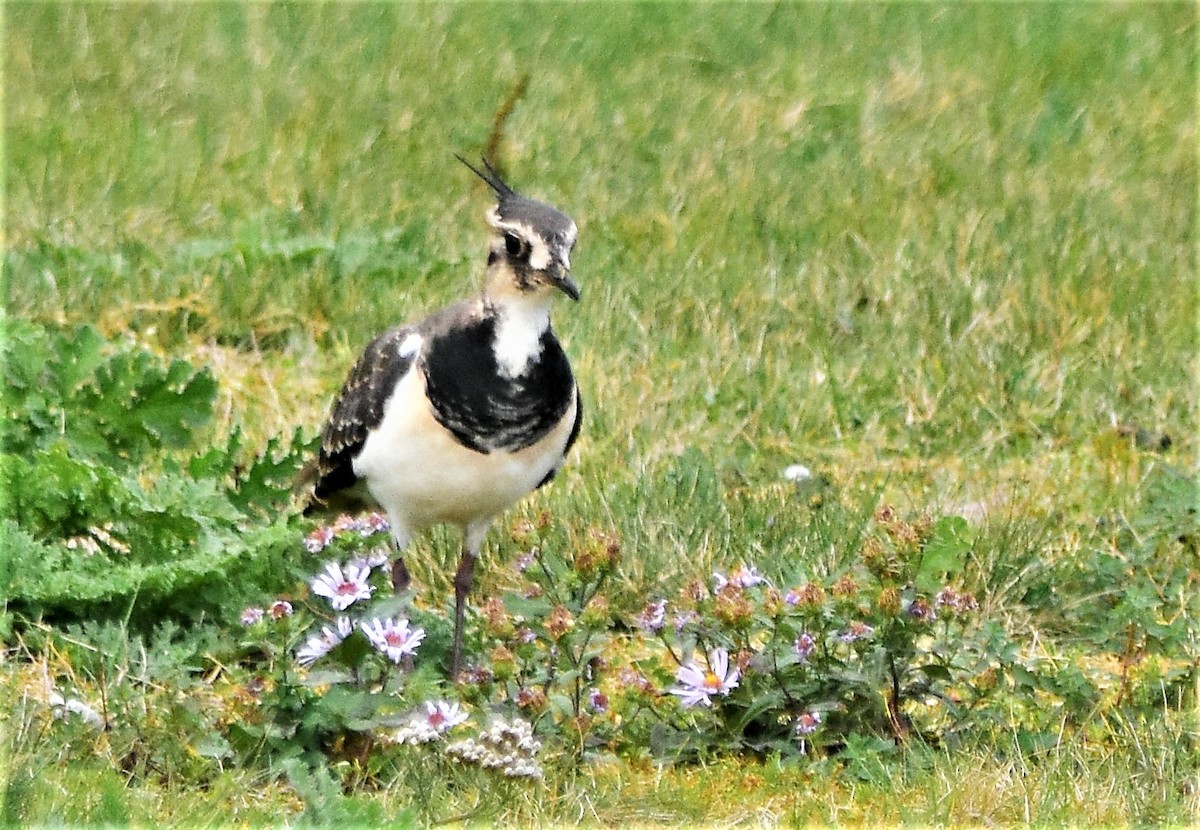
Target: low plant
107 512
888 647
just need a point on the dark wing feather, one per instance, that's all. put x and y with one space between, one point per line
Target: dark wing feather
570 439
359 409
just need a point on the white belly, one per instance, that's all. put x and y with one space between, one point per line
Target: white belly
422 476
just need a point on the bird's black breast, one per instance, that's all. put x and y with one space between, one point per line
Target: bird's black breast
486 410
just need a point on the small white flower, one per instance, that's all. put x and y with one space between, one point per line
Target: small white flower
698 684
324 642
70 706
797 473
343 587
393 637
438 718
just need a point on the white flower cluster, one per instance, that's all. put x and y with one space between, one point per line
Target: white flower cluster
506 746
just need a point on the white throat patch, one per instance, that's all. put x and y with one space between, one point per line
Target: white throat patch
519 331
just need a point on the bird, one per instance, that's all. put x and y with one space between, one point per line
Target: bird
454 418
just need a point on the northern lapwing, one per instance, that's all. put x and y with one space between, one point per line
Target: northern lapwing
455 417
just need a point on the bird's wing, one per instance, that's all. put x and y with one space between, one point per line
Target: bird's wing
359 406
575 427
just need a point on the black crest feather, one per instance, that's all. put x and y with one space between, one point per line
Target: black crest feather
490 175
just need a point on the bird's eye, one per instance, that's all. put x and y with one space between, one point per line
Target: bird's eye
515 245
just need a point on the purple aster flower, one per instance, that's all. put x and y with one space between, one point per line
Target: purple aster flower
324 642
652 617
372 559
697 684
683 619
742 576
746 576
856 631
807 723
444 715
597 701
318 540
805 644
393 637
280 608
252 615
374 523
343 587
920 609
525 560
956 601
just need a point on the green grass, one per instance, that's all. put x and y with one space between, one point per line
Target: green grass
935 252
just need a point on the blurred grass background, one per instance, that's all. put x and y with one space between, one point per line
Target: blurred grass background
947 244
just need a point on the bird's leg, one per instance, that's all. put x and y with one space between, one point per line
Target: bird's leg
401 579
463 578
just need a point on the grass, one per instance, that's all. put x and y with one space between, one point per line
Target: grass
937 253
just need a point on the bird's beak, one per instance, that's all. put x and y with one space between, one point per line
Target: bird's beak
566 285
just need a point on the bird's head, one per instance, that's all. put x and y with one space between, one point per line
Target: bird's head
530 249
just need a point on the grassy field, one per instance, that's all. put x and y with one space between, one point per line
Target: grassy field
943 255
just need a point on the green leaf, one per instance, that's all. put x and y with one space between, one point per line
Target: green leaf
935 671
944 554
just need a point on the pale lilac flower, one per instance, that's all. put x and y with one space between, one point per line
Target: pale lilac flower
807 723
805 644
698 684
439 717
856 631
321 644
683 619
920 609
374 523
318 540
956 601
525 635
744 576
343 587
444 715
346 523
740 577
373 559
652 617
393 637
598 701
525 560
280 608
252 615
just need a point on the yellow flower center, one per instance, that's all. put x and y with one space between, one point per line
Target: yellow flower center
711 681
